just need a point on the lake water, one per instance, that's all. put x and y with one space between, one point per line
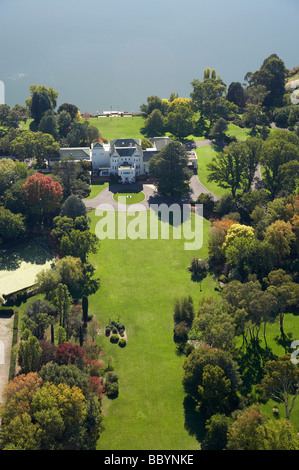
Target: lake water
103 55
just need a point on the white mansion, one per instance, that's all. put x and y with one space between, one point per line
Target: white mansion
124 158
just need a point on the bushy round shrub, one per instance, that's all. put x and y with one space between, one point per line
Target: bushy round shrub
112 389
108 330
114 338
122 342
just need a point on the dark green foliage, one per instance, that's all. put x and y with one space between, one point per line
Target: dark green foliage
85 308
114 338
73 207
170 171
184 311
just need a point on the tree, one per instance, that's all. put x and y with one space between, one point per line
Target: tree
216 432
67 374
21 434
71 109
281 382
215 391
154 124
64 123
271 75
227 168
61 335
60 412
208 98
254 117
12 226
242 434
18 394
236 94
11 118
169 168
29 353
41 99
42 194
64 225
153 103
48 124
180 118
73 207
63 302
68 353
238 244
218 233
194 364
10 172
281 236
280 148
288 175
79 244
219 128
47 280
184 311
251 151
214 326
35 145
85 308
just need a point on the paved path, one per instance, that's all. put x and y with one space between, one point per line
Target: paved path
105 197
6 327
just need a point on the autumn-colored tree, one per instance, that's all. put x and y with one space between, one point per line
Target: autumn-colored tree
252 430
96 386
18 394
281 236
60 412
218 233
69 353
42 194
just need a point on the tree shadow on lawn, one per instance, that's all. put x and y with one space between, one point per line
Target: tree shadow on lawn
194 420
251 365
125 188
284 340
173 214
11 259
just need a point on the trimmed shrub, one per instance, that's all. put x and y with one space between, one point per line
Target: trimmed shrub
112 389
114 338
122 342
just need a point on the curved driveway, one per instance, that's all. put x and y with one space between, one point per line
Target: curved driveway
105 197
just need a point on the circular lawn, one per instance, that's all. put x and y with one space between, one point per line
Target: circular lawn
129 197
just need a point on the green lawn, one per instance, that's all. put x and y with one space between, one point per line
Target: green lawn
140 280
96 188
273 336
131 197
204 156
119 127
238 132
